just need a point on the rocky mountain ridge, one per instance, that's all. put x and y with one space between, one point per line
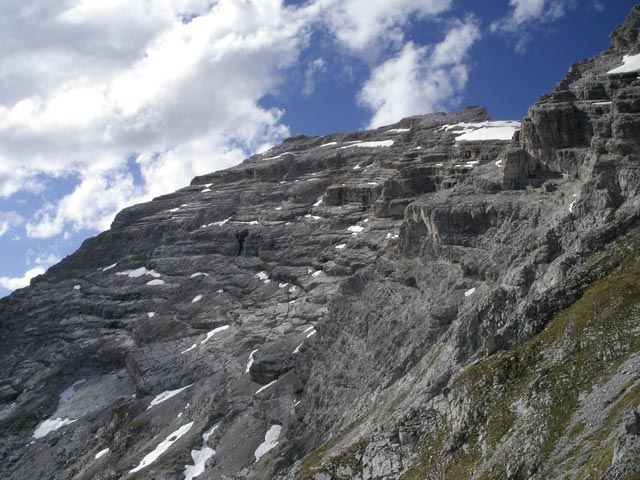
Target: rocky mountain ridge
432 299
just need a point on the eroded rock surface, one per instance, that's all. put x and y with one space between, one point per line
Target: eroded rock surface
392 303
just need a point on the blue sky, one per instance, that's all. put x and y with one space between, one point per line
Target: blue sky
106 103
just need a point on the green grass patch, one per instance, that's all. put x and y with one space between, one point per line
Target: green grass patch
582 346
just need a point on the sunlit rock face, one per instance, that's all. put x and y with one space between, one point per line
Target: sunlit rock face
446 297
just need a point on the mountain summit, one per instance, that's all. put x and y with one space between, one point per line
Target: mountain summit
448 297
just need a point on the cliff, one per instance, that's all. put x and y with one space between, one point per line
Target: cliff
446 297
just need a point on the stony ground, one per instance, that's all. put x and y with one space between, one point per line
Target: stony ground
416 301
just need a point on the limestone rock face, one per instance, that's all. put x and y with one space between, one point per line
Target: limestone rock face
393 303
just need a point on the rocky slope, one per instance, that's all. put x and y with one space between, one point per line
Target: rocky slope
414 301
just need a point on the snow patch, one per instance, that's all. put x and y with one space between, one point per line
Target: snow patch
355 229
262 389
166 395
375 144
392 236
470 292
219 224
76 287
162 447
328 144
139 272
200 456
250 362
197 298
270 441
283 285
342 246
575 199
199 274
262 276
151 314
213 332
114 265
320 200
317 273
102 453
192 347
278 156
630 63
156 282
601 103
489 130
399 130
51 425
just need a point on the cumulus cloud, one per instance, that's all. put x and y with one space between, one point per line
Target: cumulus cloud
525 15
133 98
20 282
420 79
360 24
90 206
175 83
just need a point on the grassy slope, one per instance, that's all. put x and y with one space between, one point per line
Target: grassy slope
581 348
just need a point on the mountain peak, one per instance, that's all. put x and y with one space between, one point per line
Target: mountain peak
626 36
449 296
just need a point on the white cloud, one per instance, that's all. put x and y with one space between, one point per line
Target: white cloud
8 221
46 259
359 24
91 205
316 67
527 14
89 83
420 80
15 283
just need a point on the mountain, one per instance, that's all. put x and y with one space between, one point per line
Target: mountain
447 297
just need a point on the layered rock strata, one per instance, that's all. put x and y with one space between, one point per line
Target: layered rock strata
430 299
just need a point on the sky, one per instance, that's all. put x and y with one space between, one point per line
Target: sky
109 103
